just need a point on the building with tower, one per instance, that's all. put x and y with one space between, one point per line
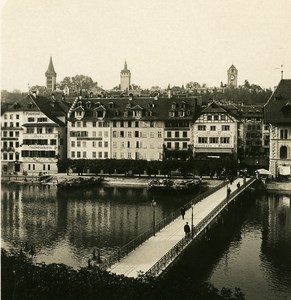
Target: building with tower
51 76
125 76
232 76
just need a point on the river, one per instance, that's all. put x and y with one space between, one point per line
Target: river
250 249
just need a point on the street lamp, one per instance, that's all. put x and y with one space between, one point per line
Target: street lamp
154 215
192 226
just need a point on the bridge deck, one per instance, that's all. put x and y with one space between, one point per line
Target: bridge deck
152 250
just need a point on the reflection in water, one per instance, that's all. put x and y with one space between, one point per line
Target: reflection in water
65 226
250 249
261 264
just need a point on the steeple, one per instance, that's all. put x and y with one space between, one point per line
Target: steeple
51 70
51 76
125 65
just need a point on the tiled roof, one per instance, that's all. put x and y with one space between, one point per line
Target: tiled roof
277 109
52 108
151 109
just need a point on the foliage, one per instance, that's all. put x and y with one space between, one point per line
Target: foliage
77 83
152 168
21 279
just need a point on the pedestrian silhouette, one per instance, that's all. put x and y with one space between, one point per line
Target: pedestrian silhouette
187 230
182 210
238 185
228 192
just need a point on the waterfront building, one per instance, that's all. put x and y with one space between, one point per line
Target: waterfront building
215 131
125 77
51 76
277 113
232 75
88 129
148 128
33 136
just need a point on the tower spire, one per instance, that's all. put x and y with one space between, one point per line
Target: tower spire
125 65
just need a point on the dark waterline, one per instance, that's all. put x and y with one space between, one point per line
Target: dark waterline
249 248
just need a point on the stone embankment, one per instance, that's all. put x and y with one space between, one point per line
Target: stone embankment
114 180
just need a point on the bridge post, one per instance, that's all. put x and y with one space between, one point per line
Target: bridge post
192 226
154 216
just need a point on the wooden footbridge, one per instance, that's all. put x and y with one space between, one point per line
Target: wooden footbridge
152 252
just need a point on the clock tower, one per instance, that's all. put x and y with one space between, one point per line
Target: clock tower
232 76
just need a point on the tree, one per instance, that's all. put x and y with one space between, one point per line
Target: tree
77 83
192 85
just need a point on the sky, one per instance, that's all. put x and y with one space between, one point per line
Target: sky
163 41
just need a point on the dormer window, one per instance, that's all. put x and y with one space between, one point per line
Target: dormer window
116 113
30 105
174 105
183 104
128 105
182 113
137 113
88 104
152 105
188 112
125 114
78 114
110 104
171 114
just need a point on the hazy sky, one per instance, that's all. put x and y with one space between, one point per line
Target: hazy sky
169 41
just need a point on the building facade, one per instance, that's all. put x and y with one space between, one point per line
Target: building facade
214 133
33 136
277 113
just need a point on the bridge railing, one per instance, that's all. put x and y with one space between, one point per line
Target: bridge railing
179 247
127 248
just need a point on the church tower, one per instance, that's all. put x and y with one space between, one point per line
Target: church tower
125 76
51 76
232 76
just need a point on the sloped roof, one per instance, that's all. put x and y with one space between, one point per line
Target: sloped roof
52 108
277 109
51 69
159 108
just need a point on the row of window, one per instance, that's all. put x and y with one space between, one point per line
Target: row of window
11 124
5 116
79 154
39 142
89 124
215 117
38 120
10 133
176 145
136 134
39 130
94 144
10 144
129 155
136 144
30 153
213 128
10 156
213 140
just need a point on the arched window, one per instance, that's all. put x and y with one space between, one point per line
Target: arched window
283 152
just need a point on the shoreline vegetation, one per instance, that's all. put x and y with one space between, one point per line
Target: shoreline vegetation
21 279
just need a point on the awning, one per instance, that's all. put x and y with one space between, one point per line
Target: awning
213 150
284 170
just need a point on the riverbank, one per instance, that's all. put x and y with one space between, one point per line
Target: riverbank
109 180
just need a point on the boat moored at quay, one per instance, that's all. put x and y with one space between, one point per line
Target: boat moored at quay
79 182
166 184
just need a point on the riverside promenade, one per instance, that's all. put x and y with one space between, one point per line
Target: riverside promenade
143 258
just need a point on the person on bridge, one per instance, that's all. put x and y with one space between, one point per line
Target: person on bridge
187 230
238 185
182 210
228 192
